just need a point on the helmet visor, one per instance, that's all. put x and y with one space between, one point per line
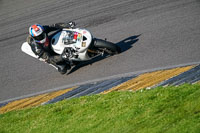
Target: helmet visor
40 37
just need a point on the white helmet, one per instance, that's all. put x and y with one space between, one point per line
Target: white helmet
37 32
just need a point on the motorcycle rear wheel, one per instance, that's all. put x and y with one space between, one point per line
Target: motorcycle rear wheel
106 46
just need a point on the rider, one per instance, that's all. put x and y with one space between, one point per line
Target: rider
38 39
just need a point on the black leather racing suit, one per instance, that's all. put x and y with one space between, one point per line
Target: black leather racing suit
44 50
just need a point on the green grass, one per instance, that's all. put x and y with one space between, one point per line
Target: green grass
170 109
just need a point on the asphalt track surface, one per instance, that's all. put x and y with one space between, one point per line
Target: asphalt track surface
152 34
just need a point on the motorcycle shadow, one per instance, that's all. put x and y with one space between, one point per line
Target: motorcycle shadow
128 42
125 45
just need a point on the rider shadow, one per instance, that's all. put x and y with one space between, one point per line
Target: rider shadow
128 43
124 45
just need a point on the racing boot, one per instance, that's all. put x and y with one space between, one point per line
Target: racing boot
63 68
61 65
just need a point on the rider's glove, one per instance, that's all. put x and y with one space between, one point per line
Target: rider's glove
72 24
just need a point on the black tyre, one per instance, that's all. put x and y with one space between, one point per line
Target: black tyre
106 46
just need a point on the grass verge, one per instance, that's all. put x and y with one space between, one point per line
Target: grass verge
169 109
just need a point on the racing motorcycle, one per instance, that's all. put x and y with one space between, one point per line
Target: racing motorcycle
76 45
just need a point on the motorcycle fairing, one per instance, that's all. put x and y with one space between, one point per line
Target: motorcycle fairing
26 48
79 39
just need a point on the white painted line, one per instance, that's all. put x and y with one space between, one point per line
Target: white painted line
100 79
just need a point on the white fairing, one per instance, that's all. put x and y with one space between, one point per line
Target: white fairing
80 43
26 48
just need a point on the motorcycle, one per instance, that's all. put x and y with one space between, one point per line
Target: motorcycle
76 45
